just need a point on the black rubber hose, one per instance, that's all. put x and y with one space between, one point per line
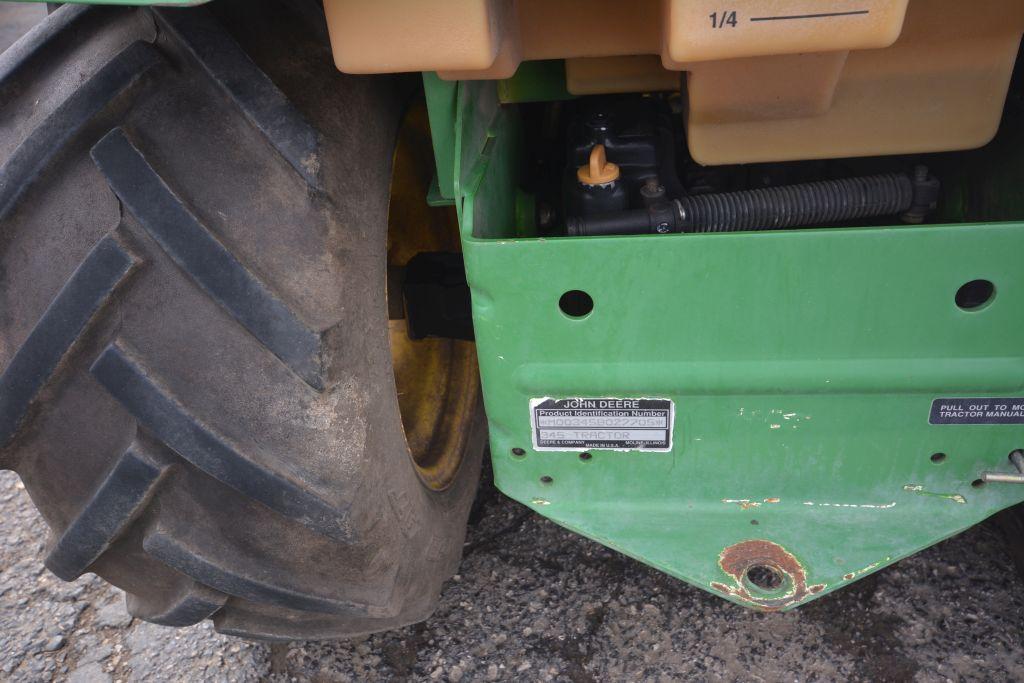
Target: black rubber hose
819 203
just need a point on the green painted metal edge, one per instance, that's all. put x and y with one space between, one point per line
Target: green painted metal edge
802 365
434 196
440 96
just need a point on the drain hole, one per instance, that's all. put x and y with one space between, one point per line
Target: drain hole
938 457
585 456
975 294
576 303
978 483
546 479
518 452
764 577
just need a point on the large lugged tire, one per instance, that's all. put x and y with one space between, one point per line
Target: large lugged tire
195 378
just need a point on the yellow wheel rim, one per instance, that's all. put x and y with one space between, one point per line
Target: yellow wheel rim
436 379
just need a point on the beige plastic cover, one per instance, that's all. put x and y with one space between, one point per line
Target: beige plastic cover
767 80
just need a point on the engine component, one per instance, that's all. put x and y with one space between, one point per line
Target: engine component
808 204
637 134
599 189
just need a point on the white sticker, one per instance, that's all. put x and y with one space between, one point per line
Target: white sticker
615 424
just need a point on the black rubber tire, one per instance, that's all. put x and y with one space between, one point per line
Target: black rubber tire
196 382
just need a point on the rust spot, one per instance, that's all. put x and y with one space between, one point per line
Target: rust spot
848 577
736 561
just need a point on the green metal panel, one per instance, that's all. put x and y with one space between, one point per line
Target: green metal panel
440 96
802 365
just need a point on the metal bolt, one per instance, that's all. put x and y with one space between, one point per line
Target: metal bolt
545 215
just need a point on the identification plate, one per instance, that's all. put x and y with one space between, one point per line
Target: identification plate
977 411
617 424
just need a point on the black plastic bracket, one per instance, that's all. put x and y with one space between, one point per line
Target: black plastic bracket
436 294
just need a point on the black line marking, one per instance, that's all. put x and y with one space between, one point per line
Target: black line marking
27 163
821 15
201 255
122 496
163 415
60 326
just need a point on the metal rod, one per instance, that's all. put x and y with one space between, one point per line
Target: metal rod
1017 458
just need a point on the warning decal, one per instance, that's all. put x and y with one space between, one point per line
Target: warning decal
977 411
618 424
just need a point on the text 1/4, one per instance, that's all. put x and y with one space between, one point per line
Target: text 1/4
723 19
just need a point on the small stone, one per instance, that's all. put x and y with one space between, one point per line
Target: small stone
455 674
492 672
113 615
89 673
96 654
54 643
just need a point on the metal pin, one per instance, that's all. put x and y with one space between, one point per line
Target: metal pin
1017 458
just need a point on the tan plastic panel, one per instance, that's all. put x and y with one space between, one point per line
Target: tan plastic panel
768 80
703 30
764 88
389 36
634 73
940 87
464 36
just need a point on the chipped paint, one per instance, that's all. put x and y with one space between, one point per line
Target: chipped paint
746 503
870 506
737 559
871 567
540 501
776 426
919 489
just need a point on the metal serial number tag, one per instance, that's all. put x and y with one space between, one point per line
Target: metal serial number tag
617 424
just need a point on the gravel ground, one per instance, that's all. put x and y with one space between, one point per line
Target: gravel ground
535 602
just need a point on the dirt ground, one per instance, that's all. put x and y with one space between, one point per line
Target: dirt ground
535 602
